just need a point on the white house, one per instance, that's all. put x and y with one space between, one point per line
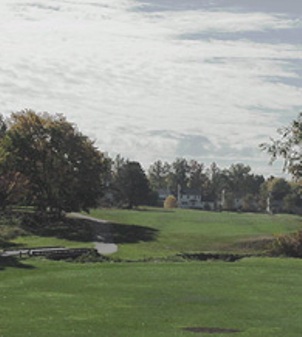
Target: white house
189 198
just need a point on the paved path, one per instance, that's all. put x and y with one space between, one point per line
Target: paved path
103 234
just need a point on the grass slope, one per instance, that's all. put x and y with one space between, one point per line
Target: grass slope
153 232
259 297
196 231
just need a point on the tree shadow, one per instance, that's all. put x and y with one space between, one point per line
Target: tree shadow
5 244
13 262
122 233
88 230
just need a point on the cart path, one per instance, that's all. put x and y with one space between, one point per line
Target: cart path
103 243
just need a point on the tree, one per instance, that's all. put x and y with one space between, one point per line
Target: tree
242 182
178 176
250 203
218 182
157 174
63 167
292 202
14 189
197 176
273 192
288 147
132 184
228 201
277 188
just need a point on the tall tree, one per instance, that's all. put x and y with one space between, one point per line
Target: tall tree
218 182
196 175
157 174
179 174
63 167
133 184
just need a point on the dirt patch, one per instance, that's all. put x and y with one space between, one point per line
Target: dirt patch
210 330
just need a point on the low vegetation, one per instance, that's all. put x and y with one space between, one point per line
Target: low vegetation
289 245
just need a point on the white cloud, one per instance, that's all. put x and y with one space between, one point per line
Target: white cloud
120 74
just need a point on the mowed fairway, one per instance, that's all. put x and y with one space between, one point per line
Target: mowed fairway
257 296
176 231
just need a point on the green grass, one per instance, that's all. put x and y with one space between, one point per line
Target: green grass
153 232
70 233
261 297
196 231
38 241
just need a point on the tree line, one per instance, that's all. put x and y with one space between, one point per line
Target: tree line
46 163
233 188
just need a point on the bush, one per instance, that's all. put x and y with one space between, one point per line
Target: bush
170 202
288 245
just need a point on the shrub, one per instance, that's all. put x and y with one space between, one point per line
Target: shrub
170 202
288 245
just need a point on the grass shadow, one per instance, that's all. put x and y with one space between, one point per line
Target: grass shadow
88 230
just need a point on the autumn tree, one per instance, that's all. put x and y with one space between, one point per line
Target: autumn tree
62 166
170 202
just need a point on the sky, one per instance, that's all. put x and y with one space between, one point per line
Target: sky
158 79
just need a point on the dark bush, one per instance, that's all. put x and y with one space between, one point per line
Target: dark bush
288 245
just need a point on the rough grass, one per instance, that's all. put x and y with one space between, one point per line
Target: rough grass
257 296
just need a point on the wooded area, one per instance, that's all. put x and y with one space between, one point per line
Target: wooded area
48 164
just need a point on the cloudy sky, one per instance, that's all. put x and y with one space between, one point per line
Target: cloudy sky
158 79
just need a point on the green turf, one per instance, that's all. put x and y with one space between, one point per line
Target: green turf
154 232
258 296
37 241
195 231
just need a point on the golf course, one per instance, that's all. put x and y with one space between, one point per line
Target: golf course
149 287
